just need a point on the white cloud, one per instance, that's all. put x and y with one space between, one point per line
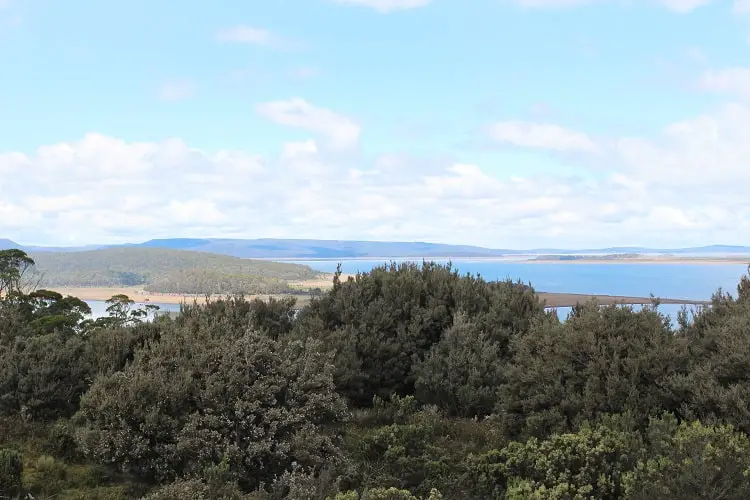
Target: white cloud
305 72
535 4
696 55
686 186
252 35
386 6
540 136
684 6
340 131
245 34
177 90
707 154
733 80
678 6
294 150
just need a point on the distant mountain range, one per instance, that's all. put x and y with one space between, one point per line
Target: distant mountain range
342 249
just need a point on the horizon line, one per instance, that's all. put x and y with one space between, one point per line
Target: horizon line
527 249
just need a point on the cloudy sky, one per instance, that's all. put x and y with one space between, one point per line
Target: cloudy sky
503 123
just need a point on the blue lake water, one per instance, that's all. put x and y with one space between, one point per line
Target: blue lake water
99 307
674 281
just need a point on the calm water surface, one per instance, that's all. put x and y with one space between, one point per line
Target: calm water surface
674 281
99 307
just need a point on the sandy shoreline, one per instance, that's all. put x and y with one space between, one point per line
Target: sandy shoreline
571 299
744 261
550 299
141 296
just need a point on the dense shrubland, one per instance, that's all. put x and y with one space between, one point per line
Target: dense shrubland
409 382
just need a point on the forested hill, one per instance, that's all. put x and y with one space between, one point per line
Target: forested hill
165 270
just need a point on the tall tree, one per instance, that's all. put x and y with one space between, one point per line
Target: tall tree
121 311
14 264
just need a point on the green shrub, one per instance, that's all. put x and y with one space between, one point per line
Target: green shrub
202 394
118 492
300 483
691 461
463 372
396 410
349 495
586 464
385 494
11 472
602 360
194 489
61 440
47 476
383 323
186 488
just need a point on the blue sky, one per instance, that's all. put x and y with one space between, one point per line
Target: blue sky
501 123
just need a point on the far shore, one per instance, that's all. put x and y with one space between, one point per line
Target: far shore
141 296
537 259
550 299
571 299
741 261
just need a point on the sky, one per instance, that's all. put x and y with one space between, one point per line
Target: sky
500 123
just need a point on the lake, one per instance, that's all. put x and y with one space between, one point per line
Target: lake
99 307
674 281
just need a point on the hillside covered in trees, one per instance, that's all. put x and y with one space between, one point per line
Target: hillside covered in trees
166 271
408 382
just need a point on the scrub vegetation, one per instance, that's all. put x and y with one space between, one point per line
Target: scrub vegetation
407 382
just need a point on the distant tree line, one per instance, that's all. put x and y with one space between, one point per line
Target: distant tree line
166 271
203 281
407 382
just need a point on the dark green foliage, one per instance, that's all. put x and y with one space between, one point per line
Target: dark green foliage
396 410
41 312
716 385
423 451
232 393
601 360
463 372
272 317
109 350
43 377
11 472
381 324
49 312
61 440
